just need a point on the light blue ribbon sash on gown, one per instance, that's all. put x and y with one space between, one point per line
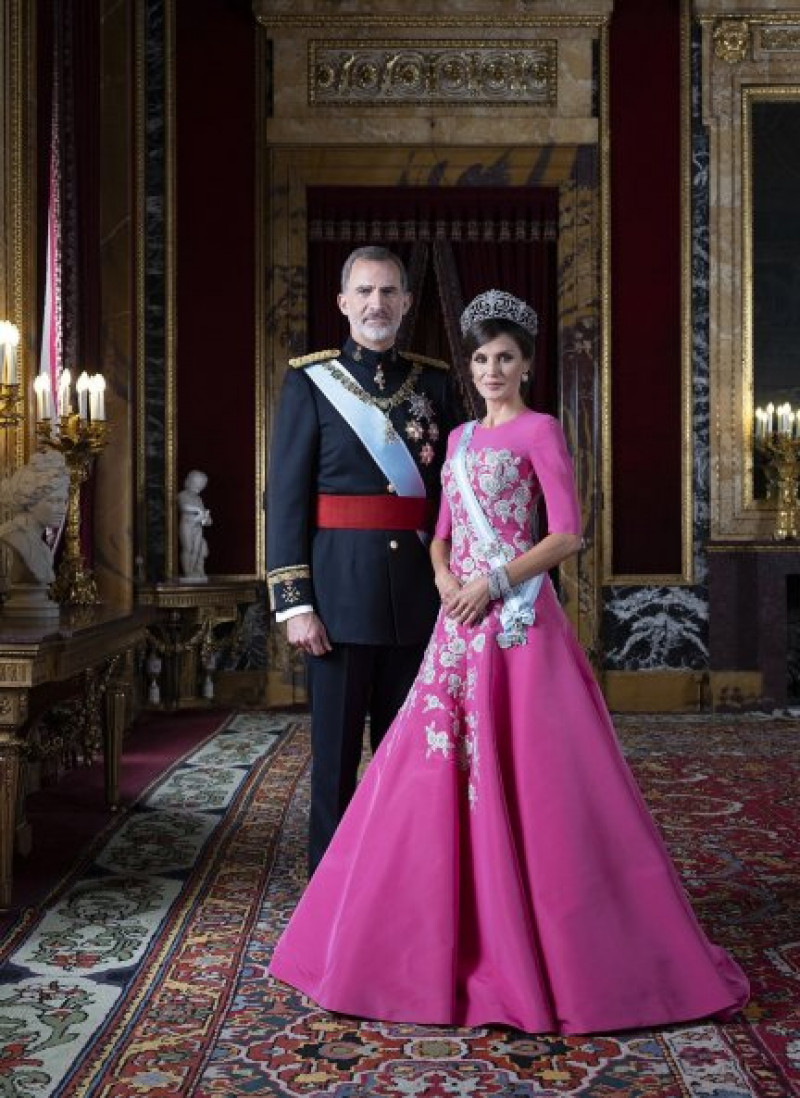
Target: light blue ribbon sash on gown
367 420
517 612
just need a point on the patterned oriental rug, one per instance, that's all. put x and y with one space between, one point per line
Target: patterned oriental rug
144 974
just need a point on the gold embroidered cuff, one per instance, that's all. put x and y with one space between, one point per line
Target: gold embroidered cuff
289 587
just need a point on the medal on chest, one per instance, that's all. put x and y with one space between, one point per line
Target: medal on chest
421 427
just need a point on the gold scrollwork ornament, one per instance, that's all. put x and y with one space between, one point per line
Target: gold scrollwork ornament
732 40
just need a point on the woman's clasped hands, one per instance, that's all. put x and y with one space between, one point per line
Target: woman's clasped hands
464 603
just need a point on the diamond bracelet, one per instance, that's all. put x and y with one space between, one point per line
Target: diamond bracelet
499 587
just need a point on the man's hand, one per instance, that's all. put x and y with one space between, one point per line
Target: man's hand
306 632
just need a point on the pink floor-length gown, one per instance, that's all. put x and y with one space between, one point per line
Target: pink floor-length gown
497 863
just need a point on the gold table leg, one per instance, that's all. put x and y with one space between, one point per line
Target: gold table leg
10 752
116 719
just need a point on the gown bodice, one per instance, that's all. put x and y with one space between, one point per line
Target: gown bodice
507 490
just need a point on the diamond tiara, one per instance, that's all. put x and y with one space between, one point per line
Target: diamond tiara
496 305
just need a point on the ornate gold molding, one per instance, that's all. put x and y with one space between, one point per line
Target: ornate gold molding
606 440
453 72
140 240
14 673
750 95
783 39
687 333
170 304
732 40
18 191
347 22
728 93
260 246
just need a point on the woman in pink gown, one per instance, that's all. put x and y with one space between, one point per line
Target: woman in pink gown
497 863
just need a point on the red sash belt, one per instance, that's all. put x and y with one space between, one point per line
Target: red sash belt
372 513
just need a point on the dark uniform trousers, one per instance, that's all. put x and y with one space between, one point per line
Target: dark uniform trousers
347 685
373 588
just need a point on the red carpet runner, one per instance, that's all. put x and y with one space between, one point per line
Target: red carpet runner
145 977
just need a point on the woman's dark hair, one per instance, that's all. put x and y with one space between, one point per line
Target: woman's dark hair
484 331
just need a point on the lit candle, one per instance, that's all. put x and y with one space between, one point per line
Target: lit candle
761 426
41 386
9 340
770 418
12 342
82 389
64 407
97 400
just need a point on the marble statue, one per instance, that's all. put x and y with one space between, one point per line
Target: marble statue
193 518
35 499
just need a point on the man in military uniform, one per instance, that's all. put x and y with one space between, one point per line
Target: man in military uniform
357 450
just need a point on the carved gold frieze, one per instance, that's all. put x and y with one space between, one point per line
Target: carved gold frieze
452 72
13 708
15 673
785 39
358 21
732 40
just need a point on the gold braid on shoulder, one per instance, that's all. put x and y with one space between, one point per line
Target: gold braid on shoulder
316 356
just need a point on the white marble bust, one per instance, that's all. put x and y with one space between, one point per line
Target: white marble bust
35 497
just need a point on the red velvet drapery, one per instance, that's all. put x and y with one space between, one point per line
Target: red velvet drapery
215 149
646 285
457 242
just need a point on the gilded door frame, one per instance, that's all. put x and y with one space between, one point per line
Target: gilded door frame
574 171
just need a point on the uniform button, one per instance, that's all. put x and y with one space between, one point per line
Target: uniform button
390 488
393 544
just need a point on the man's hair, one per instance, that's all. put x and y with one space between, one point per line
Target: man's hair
373 253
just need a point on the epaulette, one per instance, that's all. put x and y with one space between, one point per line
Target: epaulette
317 356
423 360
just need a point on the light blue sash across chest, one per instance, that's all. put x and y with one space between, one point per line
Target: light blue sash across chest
369 423
391 454
517 612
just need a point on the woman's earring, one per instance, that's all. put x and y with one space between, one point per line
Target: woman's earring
525 377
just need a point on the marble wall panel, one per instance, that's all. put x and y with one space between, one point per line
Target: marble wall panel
114 505
653 628
152 524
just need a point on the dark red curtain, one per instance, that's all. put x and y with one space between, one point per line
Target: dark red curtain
473 238
215 104
646 285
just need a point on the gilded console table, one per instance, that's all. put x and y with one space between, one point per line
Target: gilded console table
33 655
182 634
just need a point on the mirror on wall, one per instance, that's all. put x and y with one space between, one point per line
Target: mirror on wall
774 158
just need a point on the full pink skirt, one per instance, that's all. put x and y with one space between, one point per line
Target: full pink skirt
520 883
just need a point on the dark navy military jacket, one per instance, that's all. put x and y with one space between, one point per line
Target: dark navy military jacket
368 586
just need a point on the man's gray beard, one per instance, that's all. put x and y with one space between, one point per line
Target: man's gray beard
378 334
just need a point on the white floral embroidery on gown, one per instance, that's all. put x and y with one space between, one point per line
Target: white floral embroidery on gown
497 862
446 687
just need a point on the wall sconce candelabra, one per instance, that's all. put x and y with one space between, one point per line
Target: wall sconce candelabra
79 436
777 435
10 398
